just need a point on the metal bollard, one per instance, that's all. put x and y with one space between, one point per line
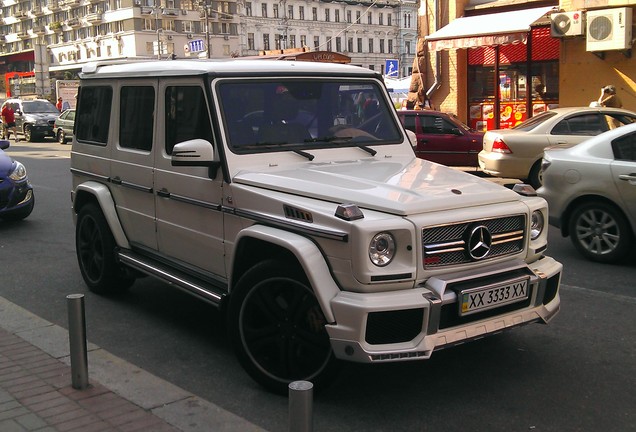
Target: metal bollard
301 398
77 340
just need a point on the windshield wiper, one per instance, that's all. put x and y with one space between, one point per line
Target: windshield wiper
343 139
305 154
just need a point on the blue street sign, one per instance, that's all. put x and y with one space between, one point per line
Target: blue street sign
196 45
391 68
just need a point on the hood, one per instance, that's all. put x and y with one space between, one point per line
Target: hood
399 187
42 116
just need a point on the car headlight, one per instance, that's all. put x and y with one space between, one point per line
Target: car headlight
536 224
19 172
382 249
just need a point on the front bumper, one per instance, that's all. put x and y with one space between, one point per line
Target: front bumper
411 324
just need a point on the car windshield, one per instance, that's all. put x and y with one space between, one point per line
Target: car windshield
39 107
297 114
534 121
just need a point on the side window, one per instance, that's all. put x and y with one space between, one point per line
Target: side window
93 114
136 117
625 147
409 122
432 124
186 116
587 124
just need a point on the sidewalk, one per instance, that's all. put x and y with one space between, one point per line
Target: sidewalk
36 392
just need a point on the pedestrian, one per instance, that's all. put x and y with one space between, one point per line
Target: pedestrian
8 121
609 98
59 104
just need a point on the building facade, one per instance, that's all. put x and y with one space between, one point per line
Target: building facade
495 63
50 37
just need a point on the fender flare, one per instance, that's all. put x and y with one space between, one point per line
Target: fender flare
308 255
105 200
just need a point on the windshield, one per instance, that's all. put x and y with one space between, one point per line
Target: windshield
39 107
535 121
301 114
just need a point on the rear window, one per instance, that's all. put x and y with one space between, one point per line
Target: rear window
93 114
535 121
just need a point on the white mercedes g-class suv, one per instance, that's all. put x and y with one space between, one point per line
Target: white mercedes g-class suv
288 194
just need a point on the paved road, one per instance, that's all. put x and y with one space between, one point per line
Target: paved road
576 374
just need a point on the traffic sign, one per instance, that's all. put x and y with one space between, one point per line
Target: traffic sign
196 45
391 68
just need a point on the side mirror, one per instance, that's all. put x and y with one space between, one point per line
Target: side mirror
196 152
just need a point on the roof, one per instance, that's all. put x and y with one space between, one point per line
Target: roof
232 67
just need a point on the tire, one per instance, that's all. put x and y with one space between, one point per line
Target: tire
600 232
96 253
277 328
21 213
535 177
61 137
28 133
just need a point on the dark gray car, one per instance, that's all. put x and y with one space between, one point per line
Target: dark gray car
34 118
63 127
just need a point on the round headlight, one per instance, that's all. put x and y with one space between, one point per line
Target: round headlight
536 225
382 249
18 173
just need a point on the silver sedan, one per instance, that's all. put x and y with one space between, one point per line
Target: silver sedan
517 152
591 192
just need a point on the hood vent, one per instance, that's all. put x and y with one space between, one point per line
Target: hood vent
297 214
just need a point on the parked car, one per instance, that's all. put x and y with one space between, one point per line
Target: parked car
320 244
16 193
442 137
517 152
34 118
591 192
63 126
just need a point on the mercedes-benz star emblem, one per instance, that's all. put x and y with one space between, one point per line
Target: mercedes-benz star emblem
479 242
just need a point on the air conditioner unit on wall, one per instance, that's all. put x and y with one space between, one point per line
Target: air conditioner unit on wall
609 29
564 24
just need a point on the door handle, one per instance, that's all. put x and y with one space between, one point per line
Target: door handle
163 193
628 177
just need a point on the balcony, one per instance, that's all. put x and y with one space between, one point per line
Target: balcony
95 17
19 14
39 30
37 11
53 5
170 13
73 22
147 10
22 34
70 2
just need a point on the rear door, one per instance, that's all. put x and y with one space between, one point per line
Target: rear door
624 172
443 142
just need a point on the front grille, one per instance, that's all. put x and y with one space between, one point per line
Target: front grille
393 326
450 244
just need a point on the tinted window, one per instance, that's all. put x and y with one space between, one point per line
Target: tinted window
93 110
136 117
625 147
39 107
535 121
409 122
586 124
186 116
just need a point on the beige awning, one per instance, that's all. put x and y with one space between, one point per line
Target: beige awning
501 28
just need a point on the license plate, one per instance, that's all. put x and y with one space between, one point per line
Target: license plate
482 298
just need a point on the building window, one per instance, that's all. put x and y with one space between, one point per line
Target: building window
370 18
339 44
278 41
382 46
329 45
381 19
275 6
248 8
390 50
266 41
407 47
358 17
292 41
359 45
316 42
264 10
327 17
149 24
389 19
314 14
337 15
370 45
303 41
301 12
350 44
349 16
290 12
250 41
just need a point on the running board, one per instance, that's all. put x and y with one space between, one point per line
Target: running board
194 286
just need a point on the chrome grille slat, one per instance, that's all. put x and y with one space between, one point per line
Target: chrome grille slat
446 244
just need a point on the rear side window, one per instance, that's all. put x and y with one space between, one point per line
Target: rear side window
625 147
586 124
186 116
93 114
136 117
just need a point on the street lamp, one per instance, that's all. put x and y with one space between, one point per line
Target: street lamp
157 10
